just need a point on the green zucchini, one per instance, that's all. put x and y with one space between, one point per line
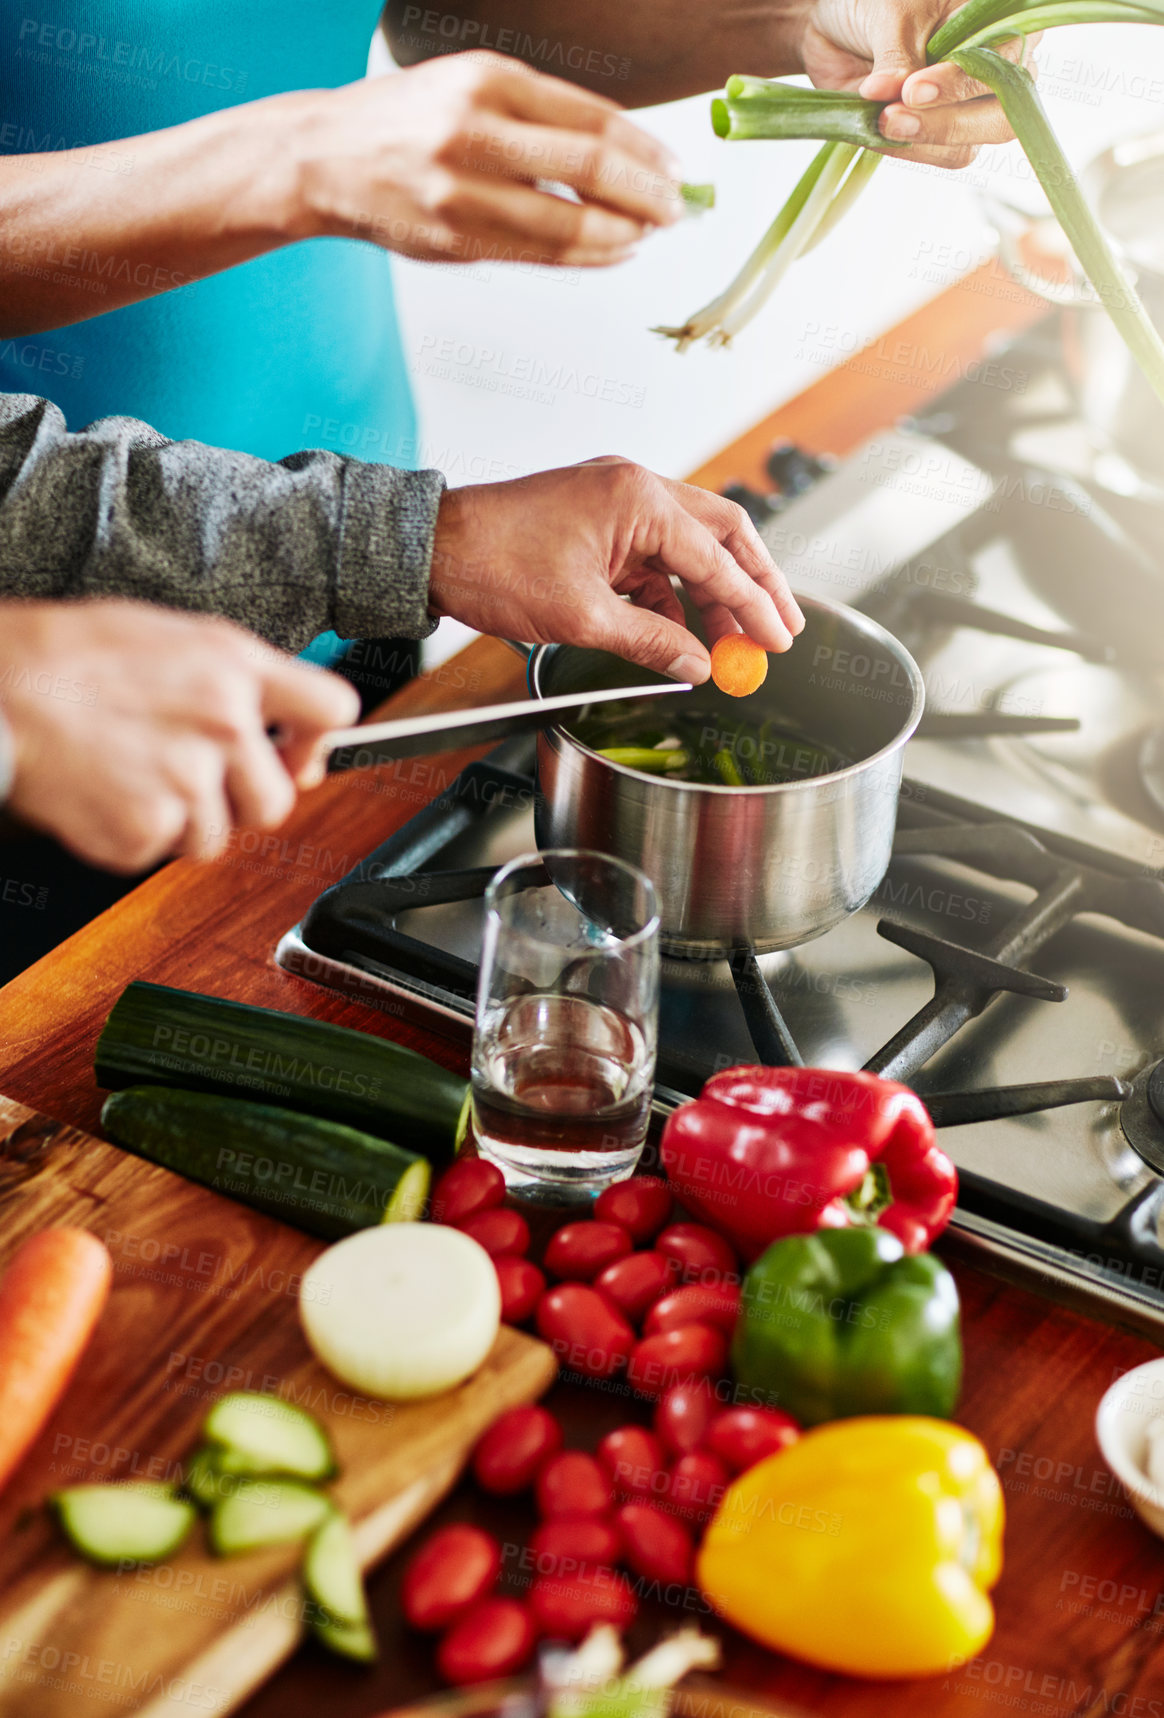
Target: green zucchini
349 1641
205 1481
266 1512
123 1523
316 1174
257 1434
158 1036
331 1573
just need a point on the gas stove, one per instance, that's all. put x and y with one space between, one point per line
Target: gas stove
1010 966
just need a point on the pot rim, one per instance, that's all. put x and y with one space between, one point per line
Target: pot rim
872 629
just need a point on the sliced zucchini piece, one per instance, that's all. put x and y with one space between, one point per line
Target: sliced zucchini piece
331 1573
410 1197
266 1512
358 1643
121 1523
205 1481
260 1434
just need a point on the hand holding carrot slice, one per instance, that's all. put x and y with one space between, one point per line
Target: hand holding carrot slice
739 665
51 1296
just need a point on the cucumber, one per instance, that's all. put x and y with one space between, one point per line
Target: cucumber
266 1512
123 1523
319 1175
257 1434
205 1481
356 1642
331 1574
158 1036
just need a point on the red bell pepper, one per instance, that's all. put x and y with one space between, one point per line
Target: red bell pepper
766 1152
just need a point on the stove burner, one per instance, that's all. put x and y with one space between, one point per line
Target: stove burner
1142 1116
1055 817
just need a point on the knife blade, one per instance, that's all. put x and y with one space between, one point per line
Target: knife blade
445 730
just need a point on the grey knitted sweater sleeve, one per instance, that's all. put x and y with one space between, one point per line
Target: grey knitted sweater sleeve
316 542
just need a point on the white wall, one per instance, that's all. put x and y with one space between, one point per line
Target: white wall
516 370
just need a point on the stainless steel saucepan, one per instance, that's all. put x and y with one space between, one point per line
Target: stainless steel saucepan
767 866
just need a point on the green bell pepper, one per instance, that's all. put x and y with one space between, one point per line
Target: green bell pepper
845 1322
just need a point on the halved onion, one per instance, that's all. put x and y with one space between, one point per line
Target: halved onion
402 1311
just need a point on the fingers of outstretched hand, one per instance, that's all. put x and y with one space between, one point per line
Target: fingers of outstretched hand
714 548
544 100
498 213
303 704
646 636
126 834
197 768
597 167
259 786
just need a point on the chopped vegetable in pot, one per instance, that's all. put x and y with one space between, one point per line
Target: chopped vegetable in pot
701 744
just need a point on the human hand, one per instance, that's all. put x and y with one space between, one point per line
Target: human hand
139 732
878 48
442 162
547 558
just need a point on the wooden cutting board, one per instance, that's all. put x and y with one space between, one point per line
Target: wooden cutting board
204 1301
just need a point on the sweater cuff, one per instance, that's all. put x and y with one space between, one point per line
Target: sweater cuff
385 552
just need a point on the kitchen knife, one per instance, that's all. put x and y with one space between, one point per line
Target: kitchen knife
444 731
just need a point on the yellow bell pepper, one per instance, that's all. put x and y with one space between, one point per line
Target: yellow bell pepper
869 1546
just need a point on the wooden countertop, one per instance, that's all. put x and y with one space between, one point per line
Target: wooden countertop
1081 1604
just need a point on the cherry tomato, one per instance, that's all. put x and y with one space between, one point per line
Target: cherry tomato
697 1484
684 1415
494 1639
471 1185
580 1250
509 1455
586 1331
741 1437
635 1283
696 1303
452 1570
635 1460
642 1205
499 1231
674 1356
654 1544
701 1256
569 1542
567 1607
572 1483
522 1286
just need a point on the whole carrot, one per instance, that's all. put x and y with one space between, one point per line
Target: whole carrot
51 1296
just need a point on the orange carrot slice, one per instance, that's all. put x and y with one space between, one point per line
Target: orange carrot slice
738 664
51 1296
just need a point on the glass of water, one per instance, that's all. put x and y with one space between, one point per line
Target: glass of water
567 1019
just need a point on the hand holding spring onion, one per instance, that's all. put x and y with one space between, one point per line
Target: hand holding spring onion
981 41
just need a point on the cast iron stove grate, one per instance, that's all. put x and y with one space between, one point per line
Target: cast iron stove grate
356 923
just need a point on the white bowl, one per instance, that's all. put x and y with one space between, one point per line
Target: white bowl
1121 1428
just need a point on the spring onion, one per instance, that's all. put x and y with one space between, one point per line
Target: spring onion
652 760
753 107
1016 91
697 199
764 107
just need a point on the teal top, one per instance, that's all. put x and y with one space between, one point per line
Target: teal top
296 349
